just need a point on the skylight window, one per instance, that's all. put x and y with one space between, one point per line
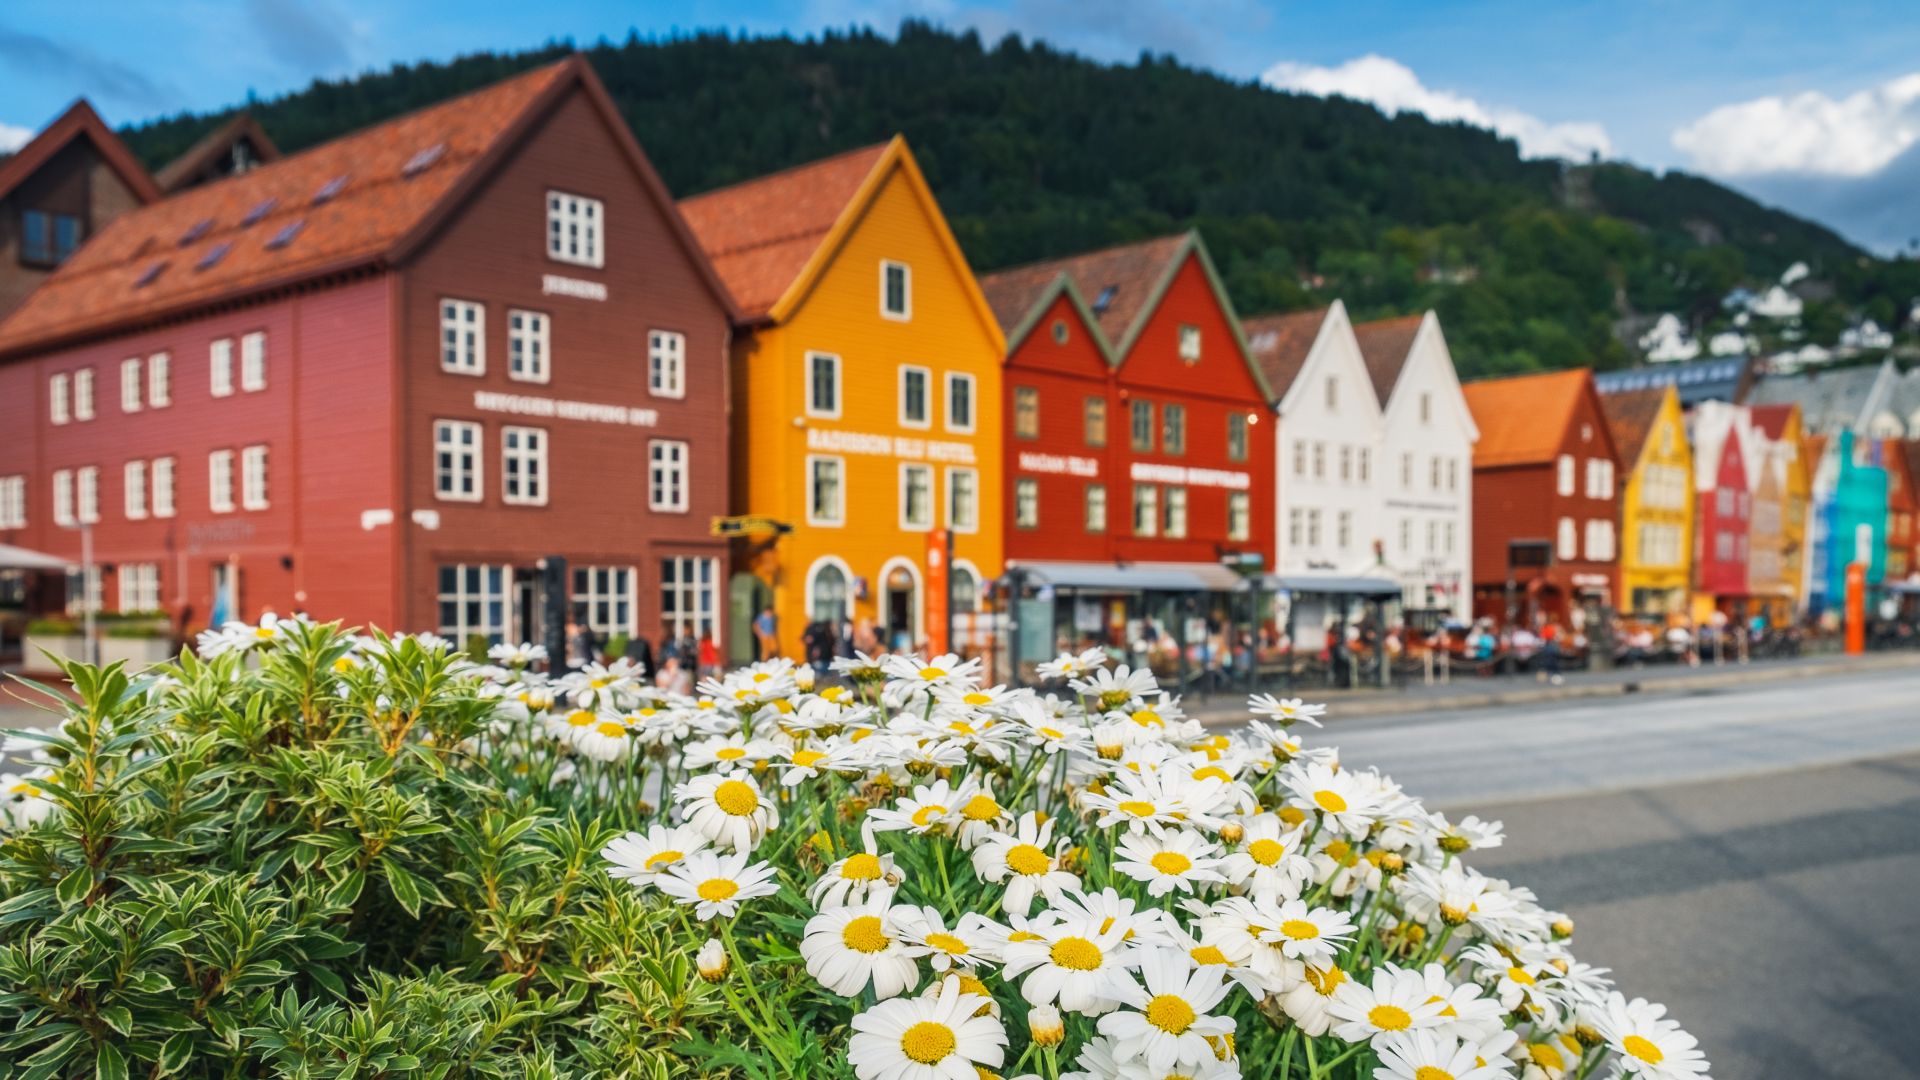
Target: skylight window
198 230
260 210
424 160
286 234
1105 300
329 189
214 254
146 276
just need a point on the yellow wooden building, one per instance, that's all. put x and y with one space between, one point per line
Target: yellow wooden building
1782 437
1656 507
866 400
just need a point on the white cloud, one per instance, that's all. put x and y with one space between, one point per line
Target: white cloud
1857 135
13 138
1394 88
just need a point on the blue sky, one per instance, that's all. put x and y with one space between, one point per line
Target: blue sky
1812 106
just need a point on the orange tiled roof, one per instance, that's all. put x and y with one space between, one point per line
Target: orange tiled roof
1384 345
1630 416
376 208
1280 344
760 234
1130 270
1523 420
78 120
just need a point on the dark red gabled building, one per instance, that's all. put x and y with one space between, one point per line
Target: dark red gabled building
1722 439
380 379
1139 433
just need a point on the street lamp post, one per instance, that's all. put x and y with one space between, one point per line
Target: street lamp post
88 575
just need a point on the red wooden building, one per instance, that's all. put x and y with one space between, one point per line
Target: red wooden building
1722 440
380 379
1545 499
1139 435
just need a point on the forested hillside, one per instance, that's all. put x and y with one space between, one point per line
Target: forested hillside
1036 152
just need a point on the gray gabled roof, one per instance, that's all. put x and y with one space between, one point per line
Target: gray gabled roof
1831 401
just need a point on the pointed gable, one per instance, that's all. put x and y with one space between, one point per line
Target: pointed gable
1523 420
1385 345
218 153
78 122
1119 284
1631 416
1280 344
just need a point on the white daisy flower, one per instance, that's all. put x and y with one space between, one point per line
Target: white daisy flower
1464 1013
728 752
1172 1025
926 1038
1024 860
1285 711
845 948
969 943
1650 1047
1309 1002
716 884
1311 934
1432 1055
642 857
1268 862
1168 860
1344 803
929 807
1072 962
1072 665
1395 1001
727 809
522 655
849 880
912 676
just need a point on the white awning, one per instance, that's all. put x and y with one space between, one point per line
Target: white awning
19 558
1332 584
1133 577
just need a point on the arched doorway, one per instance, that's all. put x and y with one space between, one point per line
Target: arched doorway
900 605
747 596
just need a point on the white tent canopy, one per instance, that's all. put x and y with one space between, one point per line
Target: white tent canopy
19 558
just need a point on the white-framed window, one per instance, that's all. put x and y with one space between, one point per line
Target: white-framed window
1333 393
1568 543
1319 461
130 380
1426 407
1296 526
220 367
160 380
916 390
823 385
1406 536
1453 474
1173 516
1343 530
1146 510
604 596
83 590
1565 481
1239 515
139 587
1346 463
1599 540
690 597
83 394
1299 457
253 361
1451 535
826 490
667 363
13 502
63 496
463 337
253 477
916 496
1236 436
1406 470
456 460
474 600
826 595
963 500
960 402
1313 528
575 227
87 485
523 466
1366 465
60 397
527 346
1026 504
1096 508
161 476
134 490
667 475
1026 412
1190 343
1173 429
896 290
1433 536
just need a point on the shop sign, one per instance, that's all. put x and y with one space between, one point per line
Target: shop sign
1061 464
559 285
899 446
559 408
1154 473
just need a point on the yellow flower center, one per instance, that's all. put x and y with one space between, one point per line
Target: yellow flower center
599 684
1138 807
1293 815
978 698
736 797
861 867
761 676
263 632
1643 1049
345 664
1266 852
1546 1056
1520 976
1389 1018
1300 929
927 1042
1207 955
925 815
1171 862
730 753
807 757
932 673
1148 718
1053 733
980 808
1330 801
1170 1014
1028 859
865 934
1075 954
1213 772
717 889
610 728
579 718
1023 935
1325 982
948 944
1341 852
1431 1072
664 858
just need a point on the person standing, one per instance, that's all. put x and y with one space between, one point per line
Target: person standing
766 634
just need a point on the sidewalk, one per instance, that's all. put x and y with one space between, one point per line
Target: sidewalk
1478 692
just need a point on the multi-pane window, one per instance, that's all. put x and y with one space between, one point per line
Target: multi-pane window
83 590
1096 421
1096 508
1366 465
1319 461
160 380
527 346
220 367
826 498
1173 429
463 337
914 392
63 496
574 226
1333 393
1433 474
963 500
134 490
1296 526
1346 463
1599 478
1026 412
253 478
1190 344
1343 530
1600 539
916 496
690 597
1239 515
130 379
13 502
1453 474
959 402
1237 436
1406 470
1299 457
523 466
1567 544
667 363
1026 504
161 476
1146 510
1313 528
253 361
60 398
603 595
1433 536
474 601
1141 427
1564 484
87 481
667 474
139 587
456 460
823 385
1406 535
1173 516
46 239
896 290
83 394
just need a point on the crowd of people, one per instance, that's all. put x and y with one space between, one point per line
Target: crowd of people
679 663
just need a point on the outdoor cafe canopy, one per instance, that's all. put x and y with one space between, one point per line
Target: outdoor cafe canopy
19 558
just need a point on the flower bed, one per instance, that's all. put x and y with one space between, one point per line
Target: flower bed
305 852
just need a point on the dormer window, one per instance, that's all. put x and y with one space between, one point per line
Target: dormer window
1105 300
46 239
574 225
1190 344
896 290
